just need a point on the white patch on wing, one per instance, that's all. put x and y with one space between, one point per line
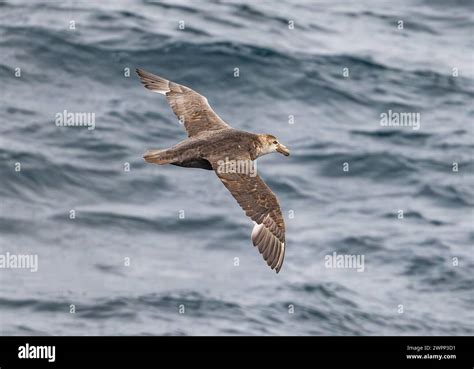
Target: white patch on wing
256 229
282 252
162 92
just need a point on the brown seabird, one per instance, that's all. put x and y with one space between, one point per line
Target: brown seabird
213 145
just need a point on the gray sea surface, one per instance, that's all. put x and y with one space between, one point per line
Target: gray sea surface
163 250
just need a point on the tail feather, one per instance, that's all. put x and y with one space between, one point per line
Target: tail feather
158 157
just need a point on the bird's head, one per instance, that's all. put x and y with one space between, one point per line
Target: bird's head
270 143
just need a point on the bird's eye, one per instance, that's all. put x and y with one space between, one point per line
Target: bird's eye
275 142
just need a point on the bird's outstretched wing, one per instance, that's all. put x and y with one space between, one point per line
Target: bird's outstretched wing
261 205
191 108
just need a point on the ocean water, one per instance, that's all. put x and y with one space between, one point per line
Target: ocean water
163 250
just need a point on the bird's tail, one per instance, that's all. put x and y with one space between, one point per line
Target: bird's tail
158 157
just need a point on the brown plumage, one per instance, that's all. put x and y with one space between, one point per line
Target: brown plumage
211 144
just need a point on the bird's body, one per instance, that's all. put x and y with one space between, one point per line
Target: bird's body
211 145
229 143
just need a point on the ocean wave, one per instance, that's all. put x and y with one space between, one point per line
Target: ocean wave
283 72
446 195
